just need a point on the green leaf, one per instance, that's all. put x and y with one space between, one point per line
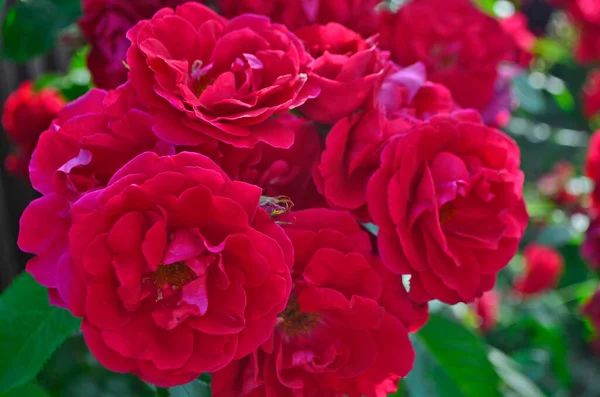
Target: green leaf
486 6
29 390
31 28
30 331
451 362
551 50
512 376
196 388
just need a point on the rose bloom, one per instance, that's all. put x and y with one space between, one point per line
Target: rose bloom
591 94
104 24
592 166
26 114
543 268
354 144
591 309
358 15
460 46
487 308
347 68
585 14
174 268
206 77
90 139
448 202
335 337
287 172
590 249
517 27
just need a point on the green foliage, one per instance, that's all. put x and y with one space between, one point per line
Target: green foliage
31 28
451 362
512 376
72 85
28 390
30 331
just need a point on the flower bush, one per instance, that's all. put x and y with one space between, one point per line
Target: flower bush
306 198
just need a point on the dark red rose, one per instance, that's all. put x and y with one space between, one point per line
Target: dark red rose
358 15
27 113
347 68
90 140
335 337
104 24
591 309
487 309
590 249
174 268
354 144
209 78
591 94
592 166
288 172
279 172
543 268
449 206
460 46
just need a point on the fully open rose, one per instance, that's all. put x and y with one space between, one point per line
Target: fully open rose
449 206
205 76
336 336
173 267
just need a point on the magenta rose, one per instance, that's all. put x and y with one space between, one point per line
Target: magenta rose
206 77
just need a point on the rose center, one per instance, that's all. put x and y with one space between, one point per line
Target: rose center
176 275
200 78
446 56
447 213
294 322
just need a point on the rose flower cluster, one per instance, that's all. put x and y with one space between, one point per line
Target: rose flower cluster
164 220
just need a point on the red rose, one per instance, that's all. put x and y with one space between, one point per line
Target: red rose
104 24
590 249
358 15
591 94
175 269
206 77
288 172
516 26
586 16
543 268
27 113
354 144
460 46
279 172
347 69
90 140
592 166
591 309
449 206
487 309
334 337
